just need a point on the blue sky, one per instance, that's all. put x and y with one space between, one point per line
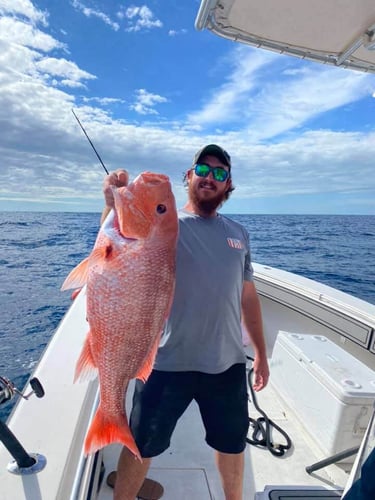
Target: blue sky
151 90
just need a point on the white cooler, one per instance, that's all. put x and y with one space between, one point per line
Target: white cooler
330 391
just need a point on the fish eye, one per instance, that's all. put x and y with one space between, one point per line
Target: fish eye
161 209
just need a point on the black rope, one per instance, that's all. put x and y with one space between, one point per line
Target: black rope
262 427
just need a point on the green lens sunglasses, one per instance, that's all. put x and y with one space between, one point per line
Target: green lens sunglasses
218 173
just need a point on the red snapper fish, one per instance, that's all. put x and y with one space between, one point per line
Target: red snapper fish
130 276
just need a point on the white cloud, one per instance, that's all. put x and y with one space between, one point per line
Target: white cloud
24 34
250 94
89 12
139 18
177 32
104 101
146 101
301 99
225 103
24 50
315 162
69 72
25 8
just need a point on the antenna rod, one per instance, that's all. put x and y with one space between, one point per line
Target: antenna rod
92 145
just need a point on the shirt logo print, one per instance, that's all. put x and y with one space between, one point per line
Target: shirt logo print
234 243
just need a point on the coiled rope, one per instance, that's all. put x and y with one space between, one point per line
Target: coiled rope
263 427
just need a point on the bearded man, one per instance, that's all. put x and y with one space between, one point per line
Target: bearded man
201 355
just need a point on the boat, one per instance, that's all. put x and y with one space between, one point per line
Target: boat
51 429
312 427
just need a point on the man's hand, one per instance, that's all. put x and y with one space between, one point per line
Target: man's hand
119 178
261 373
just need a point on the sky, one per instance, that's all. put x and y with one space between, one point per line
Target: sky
150 90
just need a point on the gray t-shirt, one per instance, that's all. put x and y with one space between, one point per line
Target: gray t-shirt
203 331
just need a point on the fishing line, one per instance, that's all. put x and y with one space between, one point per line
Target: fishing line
92 145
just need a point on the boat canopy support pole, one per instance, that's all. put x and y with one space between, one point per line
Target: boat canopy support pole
332 460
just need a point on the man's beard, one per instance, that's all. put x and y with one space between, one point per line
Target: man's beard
206 206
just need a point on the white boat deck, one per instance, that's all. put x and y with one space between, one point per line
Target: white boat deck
187 469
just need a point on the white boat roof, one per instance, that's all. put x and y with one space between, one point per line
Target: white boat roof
336 33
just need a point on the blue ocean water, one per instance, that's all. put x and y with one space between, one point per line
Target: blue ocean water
38 250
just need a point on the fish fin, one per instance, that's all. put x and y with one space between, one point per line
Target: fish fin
104 431
145 370
78 276
86 367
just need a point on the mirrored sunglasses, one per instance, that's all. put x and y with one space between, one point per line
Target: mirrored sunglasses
218 173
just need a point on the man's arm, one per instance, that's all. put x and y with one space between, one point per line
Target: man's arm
252 321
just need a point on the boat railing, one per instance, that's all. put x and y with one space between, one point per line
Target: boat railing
332 302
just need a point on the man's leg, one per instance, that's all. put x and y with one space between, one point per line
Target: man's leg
222 399
157 405
231 470
130 475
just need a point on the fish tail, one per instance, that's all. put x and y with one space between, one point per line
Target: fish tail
86 366
104 431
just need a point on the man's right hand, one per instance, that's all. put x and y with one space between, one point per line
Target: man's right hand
119 178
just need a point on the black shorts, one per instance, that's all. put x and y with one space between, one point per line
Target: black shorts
160 402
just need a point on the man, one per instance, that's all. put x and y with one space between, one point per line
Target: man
214 293
364 487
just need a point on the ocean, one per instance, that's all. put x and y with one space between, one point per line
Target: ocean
38 250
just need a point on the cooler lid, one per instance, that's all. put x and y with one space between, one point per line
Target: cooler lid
335 368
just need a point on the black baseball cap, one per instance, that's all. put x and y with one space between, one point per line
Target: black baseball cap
214 150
